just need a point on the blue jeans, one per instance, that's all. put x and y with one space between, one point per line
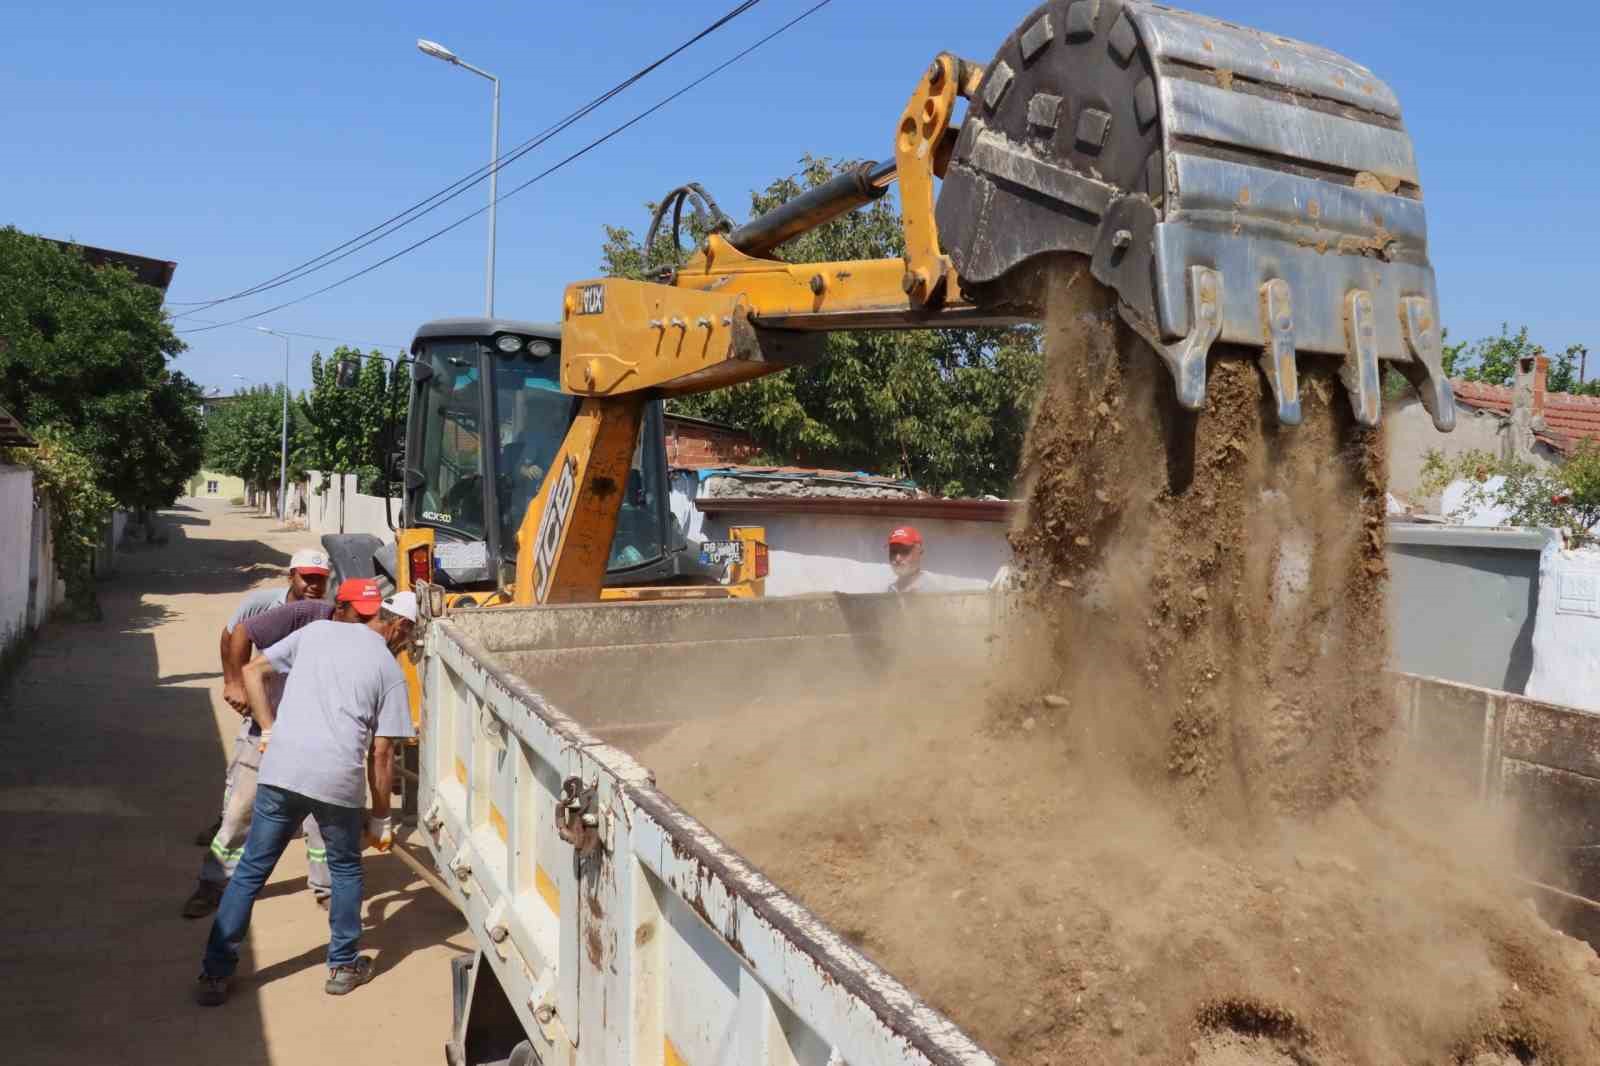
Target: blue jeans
273 820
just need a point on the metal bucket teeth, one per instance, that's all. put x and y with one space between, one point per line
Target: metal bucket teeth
1232 186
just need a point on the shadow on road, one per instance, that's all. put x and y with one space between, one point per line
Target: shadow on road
110 761
393 924
107 769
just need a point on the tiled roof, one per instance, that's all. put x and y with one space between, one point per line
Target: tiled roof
1568 419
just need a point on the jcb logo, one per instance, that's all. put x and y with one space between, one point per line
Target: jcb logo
552 526
592 300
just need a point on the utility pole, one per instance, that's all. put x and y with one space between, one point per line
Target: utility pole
283 457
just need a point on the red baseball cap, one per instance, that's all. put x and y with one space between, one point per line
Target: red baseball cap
362 593
906 535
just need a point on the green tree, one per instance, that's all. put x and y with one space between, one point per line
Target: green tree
349 430
86 351
244 437
66 482
1493 360
1565 370
949 409
1566 497
154 470
83 363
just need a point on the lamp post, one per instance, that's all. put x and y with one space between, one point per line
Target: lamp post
283 460
439 51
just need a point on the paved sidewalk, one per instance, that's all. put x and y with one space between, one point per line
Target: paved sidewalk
112 748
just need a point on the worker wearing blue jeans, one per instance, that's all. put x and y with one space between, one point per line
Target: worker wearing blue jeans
273 821
344 707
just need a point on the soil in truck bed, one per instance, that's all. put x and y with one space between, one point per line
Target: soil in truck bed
1165 820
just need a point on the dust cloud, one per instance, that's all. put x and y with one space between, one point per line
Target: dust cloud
1164 817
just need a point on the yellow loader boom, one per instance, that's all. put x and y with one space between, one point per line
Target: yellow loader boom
1230 186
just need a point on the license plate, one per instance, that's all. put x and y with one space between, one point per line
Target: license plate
722 552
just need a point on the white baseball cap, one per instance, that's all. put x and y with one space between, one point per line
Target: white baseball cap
403 604
310 561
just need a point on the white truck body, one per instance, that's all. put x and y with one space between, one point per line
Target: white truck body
634 935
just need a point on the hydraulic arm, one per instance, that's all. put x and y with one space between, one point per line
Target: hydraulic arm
1230 186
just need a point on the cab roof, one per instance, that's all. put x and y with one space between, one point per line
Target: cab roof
473 326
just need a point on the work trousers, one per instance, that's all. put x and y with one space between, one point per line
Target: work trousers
277 813
238 800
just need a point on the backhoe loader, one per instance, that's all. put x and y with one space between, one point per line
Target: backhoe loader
1236 193
1231 187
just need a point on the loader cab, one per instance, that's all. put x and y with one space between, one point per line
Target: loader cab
487 418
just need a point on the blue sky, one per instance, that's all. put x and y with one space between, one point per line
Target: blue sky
239 144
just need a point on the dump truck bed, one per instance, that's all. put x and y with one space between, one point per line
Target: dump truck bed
649 941
622 930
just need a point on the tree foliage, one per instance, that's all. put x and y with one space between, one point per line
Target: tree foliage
244 437
68 484
949 409
349 429
1566 497
85 353
1493 360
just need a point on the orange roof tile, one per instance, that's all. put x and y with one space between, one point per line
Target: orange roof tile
1568 419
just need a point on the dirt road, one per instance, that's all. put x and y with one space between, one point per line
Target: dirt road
112 748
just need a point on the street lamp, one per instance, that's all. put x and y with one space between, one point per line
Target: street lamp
283 461
439 51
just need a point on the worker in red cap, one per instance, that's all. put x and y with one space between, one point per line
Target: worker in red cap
905 559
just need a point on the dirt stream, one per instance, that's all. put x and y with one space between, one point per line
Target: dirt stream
1166 818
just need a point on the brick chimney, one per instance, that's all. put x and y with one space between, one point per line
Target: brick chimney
1527 406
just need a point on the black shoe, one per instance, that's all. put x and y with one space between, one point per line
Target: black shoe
343 980
211 991
204 900
203 840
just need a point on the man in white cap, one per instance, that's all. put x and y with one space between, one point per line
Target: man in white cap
344 702
308 580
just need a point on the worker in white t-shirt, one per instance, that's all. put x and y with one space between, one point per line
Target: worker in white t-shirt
344 708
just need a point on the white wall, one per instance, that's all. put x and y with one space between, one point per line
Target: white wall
1566 632
813 553
48 590
1409 431
16 550
29 588
362 514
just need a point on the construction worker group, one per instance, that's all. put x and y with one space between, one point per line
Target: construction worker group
322 706
322 703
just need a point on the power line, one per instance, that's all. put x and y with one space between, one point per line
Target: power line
307 336
531 181
432 203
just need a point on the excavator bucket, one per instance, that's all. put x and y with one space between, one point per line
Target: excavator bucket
1231 186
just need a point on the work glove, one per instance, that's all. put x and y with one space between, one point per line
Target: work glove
379 834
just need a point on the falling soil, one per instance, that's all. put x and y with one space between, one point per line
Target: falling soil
1165 818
